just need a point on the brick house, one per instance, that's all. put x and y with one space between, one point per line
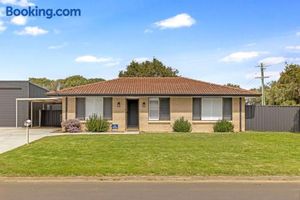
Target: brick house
152 104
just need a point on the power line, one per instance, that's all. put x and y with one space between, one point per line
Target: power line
262 78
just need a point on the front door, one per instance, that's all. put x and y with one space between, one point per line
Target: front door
132 113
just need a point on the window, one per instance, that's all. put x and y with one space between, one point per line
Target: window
211 108
227 108
164 109
93 106
107 108
196 108
159 108
154 109
80 108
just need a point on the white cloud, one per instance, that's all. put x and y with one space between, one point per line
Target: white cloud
241 56
270 74
21 3
148 31
57 46
107 61
273 60
19 20
92 59
293 48
141 59
32 30
298 33
178 21
2 27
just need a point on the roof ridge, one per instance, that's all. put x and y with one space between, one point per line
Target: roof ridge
78 86
226 86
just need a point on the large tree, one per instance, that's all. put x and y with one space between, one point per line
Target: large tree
284 91
70 81
154 68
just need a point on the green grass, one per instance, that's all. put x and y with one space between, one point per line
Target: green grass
232 154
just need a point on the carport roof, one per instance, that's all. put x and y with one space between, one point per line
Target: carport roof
42 100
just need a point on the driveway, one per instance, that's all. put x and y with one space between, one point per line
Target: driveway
11 138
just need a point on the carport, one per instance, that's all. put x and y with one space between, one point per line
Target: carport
45 103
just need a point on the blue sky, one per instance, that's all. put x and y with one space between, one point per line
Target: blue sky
217 41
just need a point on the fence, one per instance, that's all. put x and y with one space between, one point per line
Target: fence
273 118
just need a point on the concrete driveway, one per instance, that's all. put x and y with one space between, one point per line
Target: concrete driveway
11 138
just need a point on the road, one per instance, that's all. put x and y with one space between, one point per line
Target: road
148 191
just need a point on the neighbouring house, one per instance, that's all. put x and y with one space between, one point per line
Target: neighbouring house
152 104
22 100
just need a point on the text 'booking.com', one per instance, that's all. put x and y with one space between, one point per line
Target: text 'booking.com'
35 11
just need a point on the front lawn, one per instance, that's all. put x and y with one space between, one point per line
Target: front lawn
247 154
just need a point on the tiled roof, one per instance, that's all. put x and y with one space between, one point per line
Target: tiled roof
150 86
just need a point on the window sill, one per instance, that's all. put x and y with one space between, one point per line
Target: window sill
159 122
205 121
84 121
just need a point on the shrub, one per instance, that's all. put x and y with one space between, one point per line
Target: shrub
223 126
182 125
97 124
71 125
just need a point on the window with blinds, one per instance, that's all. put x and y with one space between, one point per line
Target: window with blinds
107 108
159 108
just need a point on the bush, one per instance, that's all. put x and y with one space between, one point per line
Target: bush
223 126
71 125
97 124
182 125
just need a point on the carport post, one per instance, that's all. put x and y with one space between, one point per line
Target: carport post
16 113
31 113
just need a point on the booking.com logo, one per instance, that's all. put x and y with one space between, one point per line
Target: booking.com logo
39 12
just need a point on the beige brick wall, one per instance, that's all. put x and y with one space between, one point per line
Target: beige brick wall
179 106
236 114
63 107
71 108
119 113
183 106
202 126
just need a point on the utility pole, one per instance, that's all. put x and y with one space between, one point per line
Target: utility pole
262 78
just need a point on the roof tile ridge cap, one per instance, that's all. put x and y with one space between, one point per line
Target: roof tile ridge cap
79 86
238 89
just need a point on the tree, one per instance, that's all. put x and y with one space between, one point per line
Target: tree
233 85
70 81
284 91
154 68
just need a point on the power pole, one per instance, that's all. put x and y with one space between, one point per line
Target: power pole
262 78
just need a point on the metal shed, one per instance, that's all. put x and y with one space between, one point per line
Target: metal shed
12 90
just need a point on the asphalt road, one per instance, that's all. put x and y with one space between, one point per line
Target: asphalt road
148 191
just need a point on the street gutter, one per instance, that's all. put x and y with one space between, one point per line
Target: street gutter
187 179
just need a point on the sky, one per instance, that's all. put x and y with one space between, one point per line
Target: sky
217 41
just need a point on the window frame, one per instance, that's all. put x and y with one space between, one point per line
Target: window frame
158 118
110 118
194 117
76 113
149 110
231 113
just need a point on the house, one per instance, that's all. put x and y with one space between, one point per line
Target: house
152 104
